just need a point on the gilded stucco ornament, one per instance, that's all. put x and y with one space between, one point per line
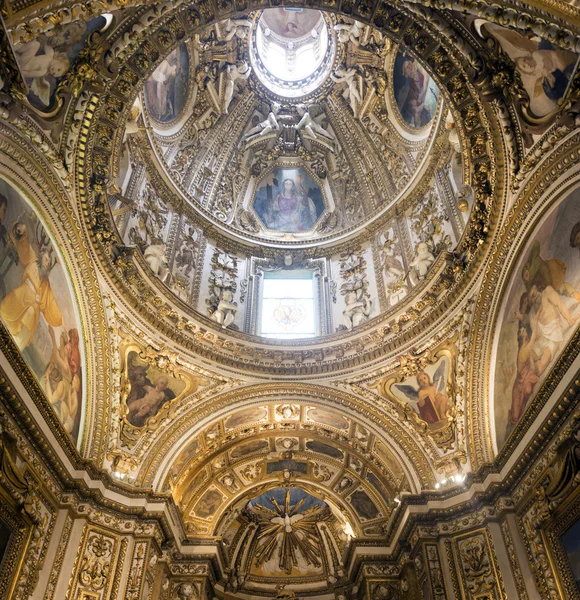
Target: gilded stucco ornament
426 439
428 403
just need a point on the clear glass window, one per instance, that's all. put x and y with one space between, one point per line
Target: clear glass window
288 308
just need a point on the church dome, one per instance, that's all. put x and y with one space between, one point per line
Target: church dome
289 299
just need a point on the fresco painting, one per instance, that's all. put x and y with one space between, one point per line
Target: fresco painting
321 448
327 418
364 506
571 543
289 200
208 504
541 313
291 24
166 90
426 393
289 539
150 389
37 307
45 60
185 457
416 94
244 417
249 448
545 69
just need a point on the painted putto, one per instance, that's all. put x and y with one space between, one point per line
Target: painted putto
150 389
545 70
45 60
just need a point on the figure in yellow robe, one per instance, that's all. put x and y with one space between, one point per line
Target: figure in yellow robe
20 309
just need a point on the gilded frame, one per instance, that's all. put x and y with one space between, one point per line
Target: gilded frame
563 518
21 532
411 364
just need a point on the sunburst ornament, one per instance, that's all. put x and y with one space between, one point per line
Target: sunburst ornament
288 532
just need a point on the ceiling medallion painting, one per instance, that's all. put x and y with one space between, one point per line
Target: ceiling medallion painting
416 94
544 70
166 90
152 385
288 200
423 390
46 60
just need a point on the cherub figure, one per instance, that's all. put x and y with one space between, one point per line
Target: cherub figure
37 63
349 32
226 311
238 28
422 262
432 401
357 308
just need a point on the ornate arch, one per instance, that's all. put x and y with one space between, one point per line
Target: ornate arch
155 467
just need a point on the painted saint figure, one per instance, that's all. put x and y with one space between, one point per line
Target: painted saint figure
526 377
292 210
415 93
21 308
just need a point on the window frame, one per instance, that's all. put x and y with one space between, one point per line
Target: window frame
321 288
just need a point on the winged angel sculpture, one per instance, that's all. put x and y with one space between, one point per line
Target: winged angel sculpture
289 535
430 397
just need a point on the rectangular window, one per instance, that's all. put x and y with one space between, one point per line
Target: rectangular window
288 309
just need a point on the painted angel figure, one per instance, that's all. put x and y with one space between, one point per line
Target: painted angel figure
430 396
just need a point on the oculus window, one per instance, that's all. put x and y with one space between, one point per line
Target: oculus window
288 306
292 50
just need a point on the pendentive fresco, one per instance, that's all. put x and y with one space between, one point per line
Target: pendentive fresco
37 306
540 315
